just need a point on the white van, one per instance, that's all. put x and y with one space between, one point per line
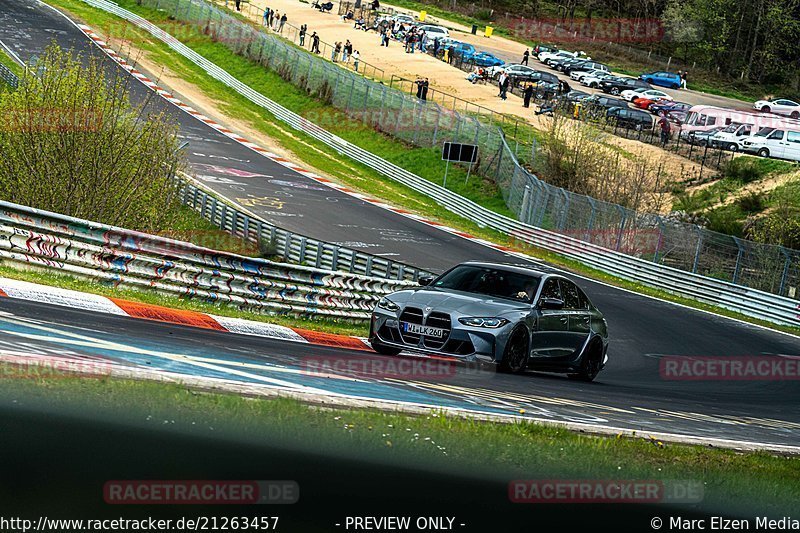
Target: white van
731 138
705 117
780 143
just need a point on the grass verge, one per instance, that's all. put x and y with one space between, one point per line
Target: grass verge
497 451
324 159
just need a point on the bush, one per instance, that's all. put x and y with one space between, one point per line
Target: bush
751 203
72 142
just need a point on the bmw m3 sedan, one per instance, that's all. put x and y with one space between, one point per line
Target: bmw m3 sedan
516 317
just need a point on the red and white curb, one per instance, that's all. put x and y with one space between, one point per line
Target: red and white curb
166 95
33 292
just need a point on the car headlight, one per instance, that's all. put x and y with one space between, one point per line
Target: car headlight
385 303
483 322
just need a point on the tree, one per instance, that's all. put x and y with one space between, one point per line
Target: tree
72 142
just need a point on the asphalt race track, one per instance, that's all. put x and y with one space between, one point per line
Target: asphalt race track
629 393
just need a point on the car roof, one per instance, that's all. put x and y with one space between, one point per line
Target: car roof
509 268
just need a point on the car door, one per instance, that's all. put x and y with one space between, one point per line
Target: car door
577 310
551 337
792 148
776 143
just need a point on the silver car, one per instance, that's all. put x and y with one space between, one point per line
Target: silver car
516 317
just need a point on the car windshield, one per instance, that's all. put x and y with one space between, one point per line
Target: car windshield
490 281
732 128
763 132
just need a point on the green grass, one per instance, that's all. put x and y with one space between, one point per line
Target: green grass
495 450
68 281
9 63
332 164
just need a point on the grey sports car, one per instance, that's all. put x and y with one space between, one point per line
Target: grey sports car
513 316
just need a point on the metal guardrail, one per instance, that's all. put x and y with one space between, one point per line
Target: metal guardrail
132 258
8 77
750 302
287 245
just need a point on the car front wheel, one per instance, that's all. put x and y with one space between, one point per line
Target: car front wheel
515 357
763 152
733 147
614 91
765 109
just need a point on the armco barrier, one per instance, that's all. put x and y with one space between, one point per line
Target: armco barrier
289 246
750 302
120 256
8 77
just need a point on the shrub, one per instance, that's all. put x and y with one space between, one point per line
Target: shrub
751 203
72 142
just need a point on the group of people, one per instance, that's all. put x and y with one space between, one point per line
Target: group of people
272 19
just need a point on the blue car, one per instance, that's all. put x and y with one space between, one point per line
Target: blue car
664 79
485 59
463 50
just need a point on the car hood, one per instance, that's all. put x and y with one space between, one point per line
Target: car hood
457 302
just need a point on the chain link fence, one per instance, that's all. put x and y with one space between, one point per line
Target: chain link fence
428 124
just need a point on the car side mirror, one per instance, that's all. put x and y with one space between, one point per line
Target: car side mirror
425 280
551 303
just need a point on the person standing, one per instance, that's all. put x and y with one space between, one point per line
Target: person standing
238 5
424 94
527 94
303 28
283 21
356 57
315 43
450 55
504 86
684 76
500 81
436 47
265 17
665 128
335 51
271 17
525 57
419 87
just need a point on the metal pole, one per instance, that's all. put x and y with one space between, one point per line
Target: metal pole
446 168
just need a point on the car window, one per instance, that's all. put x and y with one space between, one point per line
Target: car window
793 137
490 281
585 303
551 289
711 121
572 299
777 134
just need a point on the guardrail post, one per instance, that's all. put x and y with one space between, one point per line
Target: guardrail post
785 275
738 260
335 259
369 266
303 243
562 224
246 227
590 224
621 226
223 216
214 212
660 239
697 251
320 253
523 208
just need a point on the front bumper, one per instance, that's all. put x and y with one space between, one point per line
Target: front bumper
462 342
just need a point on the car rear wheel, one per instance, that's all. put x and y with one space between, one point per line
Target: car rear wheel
515 357
383 349
763 152
795 114
590 364
614 91
765 109
675 86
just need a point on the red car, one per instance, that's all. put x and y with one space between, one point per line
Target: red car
645 103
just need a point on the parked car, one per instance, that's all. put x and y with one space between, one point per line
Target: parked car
522 72
583 64
641 92
485 59
594 80
781 143
616 85
663 79
669 105
677 117
645 103
404 19
544 48
701 138
780 106
433 31
444 42
732 137
632 119
463 51
517 318
560 54
559 63
580 73
597 104
575 96
703 117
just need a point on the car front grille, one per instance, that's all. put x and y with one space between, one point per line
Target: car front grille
414 315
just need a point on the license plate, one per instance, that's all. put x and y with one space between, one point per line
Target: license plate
427 331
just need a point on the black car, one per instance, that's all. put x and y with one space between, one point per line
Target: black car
561 63
536 76
576 96
616 85
631 119
606 102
